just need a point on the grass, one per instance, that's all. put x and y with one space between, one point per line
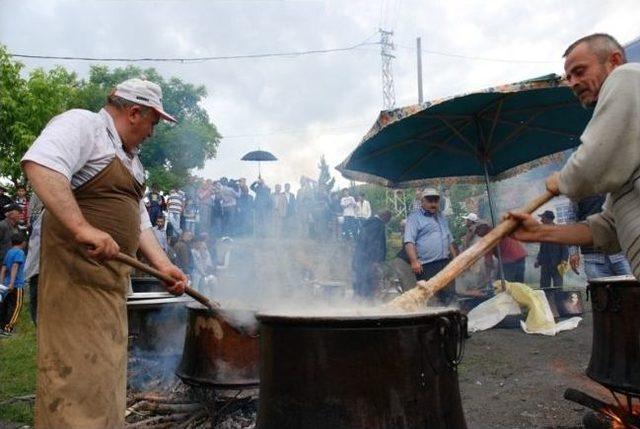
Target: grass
18 370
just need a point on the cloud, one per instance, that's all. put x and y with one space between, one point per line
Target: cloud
301 107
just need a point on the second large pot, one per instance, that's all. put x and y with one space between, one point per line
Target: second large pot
615 354
361 372
220 350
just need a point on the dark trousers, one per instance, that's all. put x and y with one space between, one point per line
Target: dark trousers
10 309
33 298
350 228
548 273
367 279
514 271
430 269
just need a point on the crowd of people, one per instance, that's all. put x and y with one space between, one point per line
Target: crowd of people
232 208
191 222
15 223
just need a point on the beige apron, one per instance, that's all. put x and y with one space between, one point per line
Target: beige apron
82 317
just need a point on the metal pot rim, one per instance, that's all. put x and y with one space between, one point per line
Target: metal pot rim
615 279
380 319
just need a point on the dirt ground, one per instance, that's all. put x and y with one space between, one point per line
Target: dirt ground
509 379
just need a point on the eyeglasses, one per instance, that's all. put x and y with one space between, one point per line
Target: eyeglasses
432 199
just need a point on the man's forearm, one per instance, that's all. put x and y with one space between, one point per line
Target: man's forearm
453 250
578 234
152 250
410 248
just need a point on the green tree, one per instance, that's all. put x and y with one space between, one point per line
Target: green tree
26 105
325 181
174 149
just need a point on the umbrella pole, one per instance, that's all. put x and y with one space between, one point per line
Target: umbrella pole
494 223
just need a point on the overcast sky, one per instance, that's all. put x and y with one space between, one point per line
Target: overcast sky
301 107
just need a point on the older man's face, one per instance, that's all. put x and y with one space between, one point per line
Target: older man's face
431 204
140 126
586 74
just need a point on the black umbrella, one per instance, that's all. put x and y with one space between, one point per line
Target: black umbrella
259 155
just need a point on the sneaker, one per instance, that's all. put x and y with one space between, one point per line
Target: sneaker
4 333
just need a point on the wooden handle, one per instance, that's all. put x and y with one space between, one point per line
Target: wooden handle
416 298
133 262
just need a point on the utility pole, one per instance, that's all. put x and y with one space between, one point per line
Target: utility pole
386 49
419 53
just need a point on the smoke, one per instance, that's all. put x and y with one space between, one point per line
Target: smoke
155 345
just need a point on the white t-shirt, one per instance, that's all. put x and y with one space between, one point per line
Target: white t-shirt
363 209
79 144
348 205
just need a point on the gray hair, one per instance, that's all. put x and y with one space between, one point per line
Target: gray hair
601 44
122 103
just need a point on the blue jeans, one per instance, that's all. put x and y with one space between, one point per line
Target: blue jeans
599 265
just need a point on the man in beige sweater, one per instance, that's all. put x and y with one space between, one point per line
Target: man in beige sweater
608 160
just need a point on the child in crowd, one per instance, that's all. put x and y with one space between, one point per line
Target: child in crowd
12 275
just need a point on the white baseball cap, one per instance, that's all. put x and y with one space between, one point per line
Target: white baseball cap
430 192
145 93
472 217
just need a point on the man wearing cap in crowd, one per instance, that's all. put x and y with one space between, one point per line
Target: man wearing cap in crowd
550 256
4 200
428 242
8 227
470 222
84 166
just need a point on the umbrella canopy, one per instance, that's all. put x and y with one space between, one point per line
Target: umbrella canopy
471 137
259 155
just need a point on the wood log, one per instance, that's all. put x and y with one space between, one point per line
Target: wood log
156 397
195 418
616 413
155 421
416 298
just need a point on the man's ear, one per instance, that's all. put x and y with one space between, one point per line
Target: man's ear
615 58
133 113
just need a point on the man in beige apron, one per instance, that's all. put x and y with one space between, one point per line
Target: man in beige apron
84 167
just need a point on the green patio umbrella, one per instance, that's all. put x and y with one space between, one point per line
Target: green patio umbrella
494 133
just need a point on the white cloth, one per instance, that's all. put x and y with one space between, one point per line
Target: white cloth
79 144
363 209
491 312
348 205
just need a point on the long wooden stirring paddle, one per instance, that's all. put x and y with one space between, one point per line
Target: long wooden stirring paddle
416 298
133 262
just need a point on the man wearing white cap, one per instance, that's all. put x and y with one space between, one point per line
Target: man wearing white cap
471 221
85 168
428 242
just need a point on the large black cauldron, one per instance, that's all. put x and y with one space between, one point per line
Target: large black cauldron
361 372
615 354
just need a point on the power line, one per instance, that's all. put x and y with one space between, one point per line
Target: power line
477 58
200 59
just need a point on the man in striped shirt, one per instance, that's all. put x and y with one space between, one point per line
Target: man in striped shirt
608 160
175 206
